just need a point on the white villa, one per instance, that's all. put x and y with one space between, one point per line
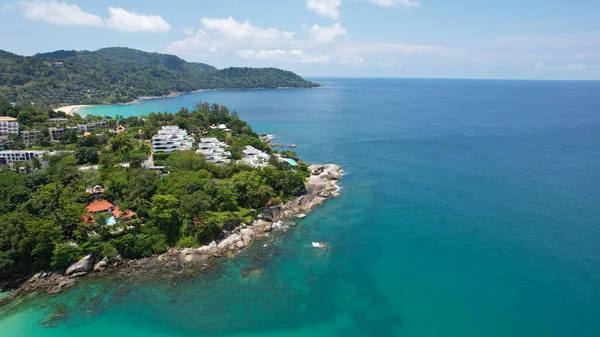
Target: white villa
255 157
214 150
171 138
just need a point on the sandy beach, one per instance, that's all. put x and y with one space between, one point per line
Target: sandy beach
71 109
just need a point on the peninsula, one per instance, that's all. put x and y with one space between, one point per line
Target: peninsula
140 195
121 75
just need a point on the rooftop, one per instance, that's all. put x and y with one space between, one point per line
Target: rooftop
99 206
7 119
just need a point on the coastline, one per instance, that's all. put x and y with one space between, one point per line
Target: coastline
321 186
72 109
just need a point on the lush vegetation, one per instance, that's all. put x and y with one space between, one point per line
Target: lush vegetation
114 75
41 224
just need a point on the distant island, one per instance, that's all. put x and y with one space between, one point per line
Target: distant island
120 75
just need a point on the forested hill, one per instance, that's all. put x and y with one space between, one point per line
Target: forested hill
115 75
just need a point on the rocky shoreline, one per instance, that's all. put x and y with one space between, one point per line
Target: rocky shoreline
321 185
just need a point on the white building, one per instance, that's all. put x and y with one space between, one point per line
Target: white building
171 138
214 151
30 136
9 126
10 157
56 134
91 126
57 120
255 157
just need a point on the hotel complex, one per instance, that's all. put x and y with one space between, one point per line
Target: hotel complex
171 138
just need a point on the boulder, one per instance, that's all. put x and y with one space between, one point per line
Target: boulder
247 231
240 244
101 266
84 265
246 239
301 216
235 238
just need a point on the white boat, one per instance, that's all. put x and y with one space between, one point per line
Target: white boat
318 245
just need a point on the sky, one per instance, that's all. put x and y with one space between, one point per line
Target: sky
518 39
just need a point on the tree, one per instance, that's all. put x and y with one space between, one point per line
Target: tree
251 189
165 215
100 219
85 155
64 255
226 198
122 143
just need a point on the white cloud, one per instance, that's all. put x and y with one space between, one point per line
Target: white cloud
219 35
198 44
59 13
569 67
396 3
126 21
390 64
354 60
189 31
293 56
62 13
7 7
326 8
326 34
234 30
391 48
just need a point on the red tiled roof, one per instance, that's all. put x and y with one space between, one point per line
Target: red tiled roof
122 214
99 206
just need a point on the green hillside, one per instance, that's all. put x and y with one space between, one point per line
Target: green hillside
115 75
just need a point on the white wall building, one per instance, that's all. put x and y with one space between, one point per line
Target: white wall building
171 138
255 157
9 126
214 151
10 157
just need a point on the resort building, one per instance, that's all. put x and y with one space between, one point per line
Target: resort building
214 151
255 157
11 157
9 126
30 136
103 206
91 126
56 134
5 142
171 138
57 120
95 190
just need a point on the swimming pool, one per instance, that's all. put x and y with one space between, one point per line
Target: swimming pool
291 161
111 221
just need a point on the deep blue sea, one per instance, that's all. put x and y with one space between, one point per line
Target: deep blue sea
469 208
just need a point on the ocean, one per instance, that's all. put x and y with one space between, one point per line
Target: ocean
469 208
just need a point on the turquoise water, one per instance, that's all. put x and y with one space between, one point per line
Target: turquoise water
111 221
469 208
291 161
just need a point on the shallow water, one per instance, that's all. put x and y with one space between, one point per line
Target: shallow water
469 208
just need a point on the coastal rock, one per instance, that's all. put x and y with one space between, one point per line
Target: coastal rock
79 274
240 244
247 231
235 238
301 216
83 265
246 239
101 266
